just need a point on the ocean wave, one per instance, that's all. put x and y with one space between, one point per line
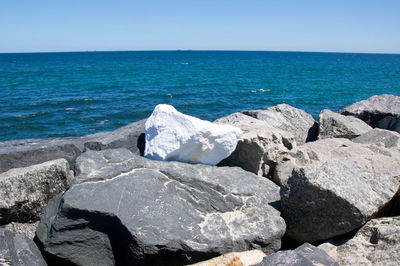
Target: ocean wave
260 90
102 122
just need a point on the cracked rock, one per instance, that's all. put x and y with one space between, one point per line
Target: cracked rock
125 209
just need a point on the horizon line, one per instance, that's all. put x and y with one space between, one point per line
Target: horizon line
203 50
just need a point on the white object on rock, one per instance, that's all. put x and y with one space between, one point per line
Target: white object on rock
173 136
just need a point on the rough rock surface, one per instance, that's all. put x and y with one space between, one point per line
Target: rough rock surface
24 192
244 258
332 186
18 250
173 136
260 147
288 119
27 152
334 125
376 243
27 229
305 255
380 138
127 209
378 111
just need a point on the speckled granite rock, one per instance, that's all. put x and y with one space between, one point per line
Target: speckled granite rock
27 229
126 209
376 243
334 125
24 192
378 111
333 186
305 255
260 147
288 119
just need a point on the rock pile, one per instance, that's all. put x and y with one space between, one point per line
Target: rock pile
332 183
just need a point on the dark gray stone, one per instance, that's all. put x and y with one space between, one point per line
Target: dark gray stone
380 138
260 147
18 250
378 111
24 192
333 186
27 152
126 209
334 125
130 137
288 119
390 122
376 243
305 255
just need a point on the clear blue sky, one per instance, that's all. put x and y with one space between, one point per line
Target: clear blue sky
274 25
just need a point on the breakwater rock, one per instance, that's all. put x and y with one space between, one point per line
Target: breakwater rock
173 136
289 180
127 209
382 111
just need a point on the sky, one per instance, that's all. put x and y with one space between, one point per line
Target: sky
267 25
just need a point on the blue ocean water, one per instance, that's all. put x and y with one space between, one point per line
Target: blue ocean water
70 94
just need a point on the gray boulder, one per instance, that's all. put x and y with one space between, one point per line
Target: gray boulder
376 243
260 147
27 229
126 209
380 138
305 255
333 186
130 137
288 119
24 192
18 250
334 125
27 152
381 111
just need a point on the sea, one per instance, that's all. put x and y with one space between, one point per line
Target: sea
76 93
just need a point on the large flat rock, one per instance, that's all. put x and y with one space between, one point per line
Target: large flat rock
333 186
24 192
288 119
131 137
376 243
334 125
27 152
127 209
261 145
173 136
18 250
381 111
